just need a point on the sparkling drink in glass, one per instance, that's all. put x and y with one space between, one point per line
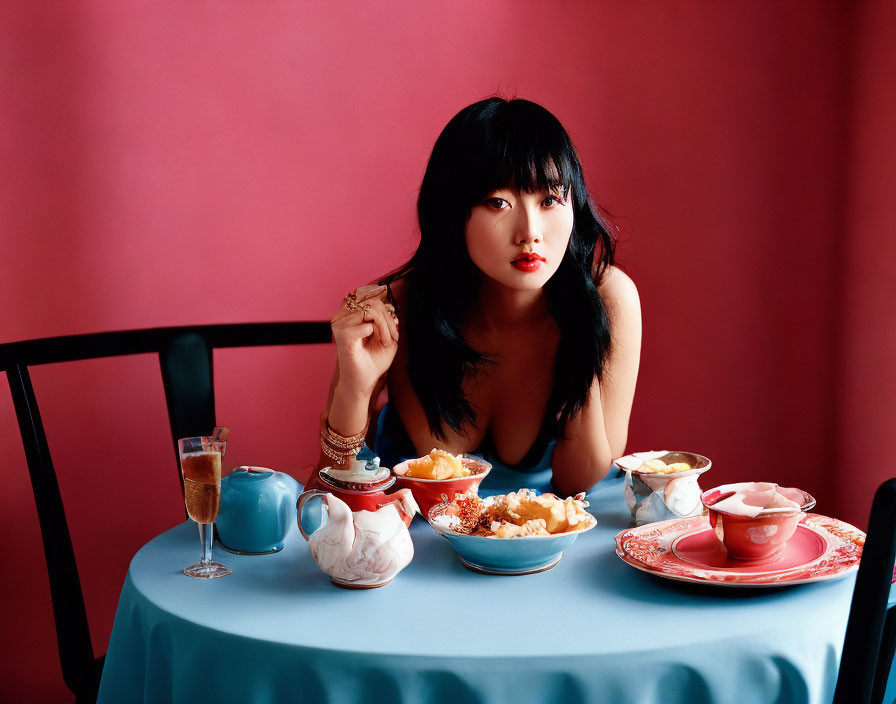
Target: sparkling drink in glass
200 462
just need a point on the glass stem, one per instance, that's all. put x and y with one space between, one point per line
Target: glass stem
206 533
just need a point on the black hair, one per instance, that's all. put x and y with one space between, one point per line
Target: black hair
487 146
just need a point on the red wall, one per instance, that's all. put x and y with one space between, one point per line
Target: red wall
866 383
174 163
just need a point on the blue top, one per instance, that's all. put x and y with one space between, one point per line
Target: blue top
393 445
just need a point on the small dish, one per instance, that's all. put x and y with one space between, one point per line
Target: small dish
505 556
654 496
687 550
430 492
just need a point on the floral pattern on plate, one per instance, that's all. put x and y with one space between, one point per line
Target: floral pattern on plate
651 548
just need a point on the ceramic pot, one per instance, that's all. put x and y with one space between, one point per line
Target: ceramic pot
359 549
258 506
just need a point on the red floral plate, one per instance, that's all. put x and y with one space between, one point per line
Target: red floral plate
687 550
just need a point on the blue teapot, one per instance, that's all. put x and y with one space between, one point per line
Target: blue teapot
258 507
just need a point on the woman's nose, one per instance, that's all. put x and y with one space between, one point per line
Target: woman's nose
528 229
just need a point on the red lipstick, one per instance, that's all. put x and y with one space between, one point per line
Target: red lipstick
528 262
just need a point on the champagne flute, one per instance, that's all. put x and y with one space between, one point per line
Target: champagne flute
200 463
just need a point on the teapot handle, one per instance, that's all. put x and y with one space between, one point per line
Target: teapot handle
300 508
393 499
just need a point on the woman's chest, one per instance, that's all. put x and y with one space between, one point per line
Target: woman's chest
512 395
509 396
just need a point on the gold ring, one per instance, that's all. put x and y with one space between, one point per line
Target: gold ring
350 301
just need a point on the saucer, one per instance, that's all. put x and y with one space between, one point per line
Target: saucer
687 550
703 549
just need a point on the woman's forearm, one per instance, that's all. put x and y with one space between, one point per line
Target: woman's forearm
347 414
583 457
349 411
578 471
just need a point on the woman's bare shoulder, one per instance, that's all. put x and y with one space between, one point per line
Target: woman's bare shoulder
616 285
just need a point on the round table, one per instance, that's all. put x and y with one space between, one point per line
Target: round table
590 629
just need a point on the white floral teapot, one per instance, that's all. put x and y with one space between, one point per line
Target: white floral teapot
364 548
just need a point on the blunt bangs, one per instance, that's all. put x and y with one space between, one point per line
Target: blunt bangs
524 147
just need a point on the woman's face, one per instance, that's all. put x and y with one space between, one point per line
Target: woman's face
517 238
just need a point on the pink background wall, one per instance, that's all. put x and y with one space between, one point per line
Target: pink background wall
175 163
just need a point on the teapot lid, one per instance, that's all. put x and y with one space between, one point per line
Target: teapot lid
251 474
363 473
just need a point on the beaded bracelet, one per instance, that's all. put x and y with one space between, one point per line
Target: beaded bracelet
340 448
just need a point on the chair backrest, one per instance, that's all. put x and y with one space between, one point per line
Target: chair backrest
871 628
185 356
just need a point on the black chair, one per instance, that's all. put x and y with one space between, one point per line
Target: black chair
871 629
185 355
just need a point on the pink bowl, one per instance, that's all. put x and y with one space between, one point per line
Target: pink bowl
762 537
431 492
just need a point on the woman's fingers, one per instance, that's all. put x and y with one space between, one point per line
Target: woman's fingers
375 312
371 316
374 291
362 298
343 312
352 332
392 319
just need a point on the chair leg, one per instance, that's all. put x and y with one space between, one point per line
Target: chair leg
884 658
70 615
868 616
91 690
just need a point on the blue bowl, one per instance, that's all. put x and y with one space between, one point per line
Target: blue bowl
507 556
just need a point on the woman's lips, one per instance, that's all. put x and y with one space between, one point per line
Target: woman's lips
528 262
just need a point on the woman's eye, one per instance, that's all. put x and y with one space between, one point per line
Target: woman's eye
556 199
496 203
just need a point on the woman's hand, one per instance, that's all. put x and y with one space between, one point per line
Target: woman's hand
365 329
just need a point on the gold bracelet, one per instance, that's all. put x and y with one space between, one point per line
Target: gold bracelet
341 440
339 457
342 445
339 447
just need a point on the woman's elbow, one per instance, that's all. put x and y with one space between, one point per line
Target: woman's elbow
584 480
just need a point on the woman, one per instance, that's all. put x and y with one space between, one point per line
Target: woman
509 332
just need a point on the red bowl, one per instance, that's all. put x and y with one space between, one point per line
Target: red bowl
762 537
431 492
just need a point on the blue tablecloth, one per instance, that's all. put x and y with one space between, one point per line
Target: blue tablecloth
592 629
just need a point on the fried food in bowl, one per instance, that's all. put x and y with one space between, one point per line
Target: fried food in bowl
438 464
516 533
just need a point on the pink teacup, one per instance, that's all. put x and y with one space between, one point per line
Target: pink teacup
754 520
